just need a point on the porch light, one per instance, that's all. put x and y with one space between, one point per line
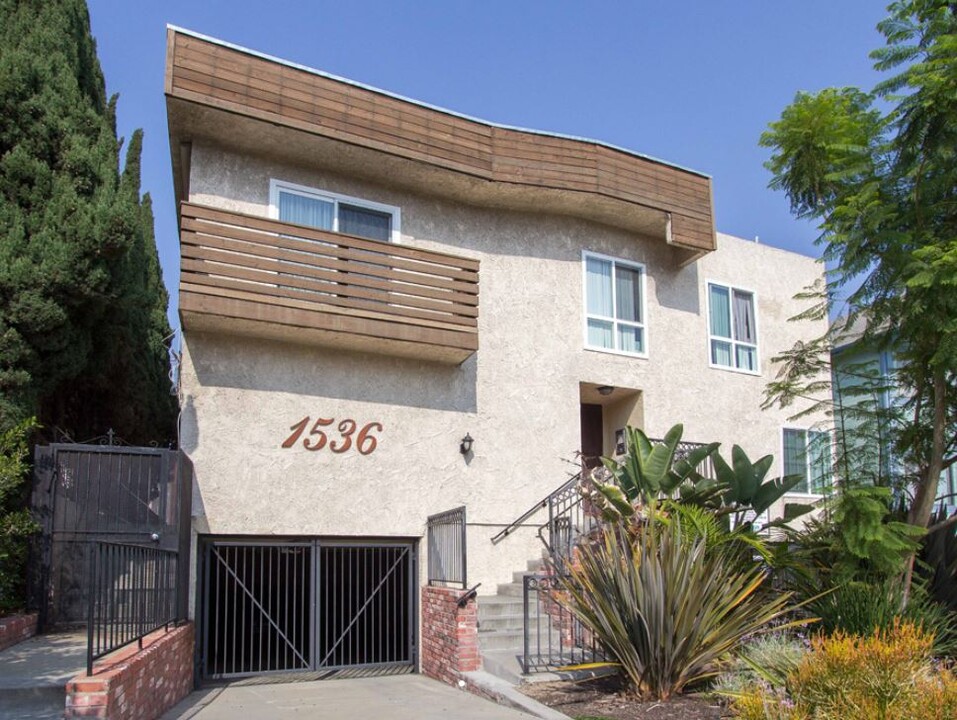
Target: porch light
605 390
465 447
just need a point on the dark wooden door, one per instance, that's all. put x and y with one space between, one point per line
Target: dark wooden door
592 435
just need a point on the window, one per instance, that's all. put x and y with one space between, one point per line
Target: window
614 305
336 213
733 328
808 453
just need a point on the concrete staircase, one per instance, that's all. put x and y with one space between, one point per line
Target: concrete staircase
501 626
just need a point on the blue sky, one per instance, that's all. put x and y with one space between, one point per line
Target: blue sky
694 83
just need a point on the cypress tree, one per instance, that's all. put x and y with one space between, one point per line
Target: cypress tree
82 304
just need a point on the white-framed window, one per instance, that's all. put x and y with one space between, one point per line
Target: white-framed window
732 328
303 205
614 299
807 453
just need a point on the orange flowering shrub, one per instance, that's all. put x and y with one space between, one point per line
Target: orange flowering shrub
886 676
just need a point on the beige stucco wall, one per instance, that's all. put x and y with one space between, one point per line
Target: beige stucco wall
518 396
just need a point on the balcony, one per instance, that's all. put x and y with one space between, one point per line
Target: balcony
250 275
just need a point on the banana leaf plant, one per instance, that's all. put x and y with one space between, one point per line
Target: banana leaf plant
745 489
649 472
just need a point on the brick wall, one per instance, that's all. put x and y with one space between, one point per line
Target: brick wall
449 635
136 684
17 628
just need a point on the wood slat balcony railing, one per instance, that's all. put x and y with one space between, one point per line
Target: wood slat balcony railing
253 275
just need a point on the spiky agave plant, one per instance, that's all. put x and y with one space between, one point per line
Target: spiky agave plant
666 604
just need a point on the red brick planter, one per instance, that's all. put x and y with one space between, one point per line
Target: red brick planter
133 683
449 635
17 628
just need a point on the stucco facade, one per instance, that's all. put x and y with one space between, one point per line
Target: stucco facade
519 396
328 377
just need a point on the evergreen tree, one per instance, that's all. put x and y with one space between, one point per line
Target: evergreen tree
82 305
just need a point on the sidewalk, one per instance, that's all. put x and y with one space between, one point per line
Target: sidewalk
397 697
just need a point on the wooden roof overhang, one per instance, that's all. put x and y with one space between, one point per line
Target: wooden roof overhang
241 99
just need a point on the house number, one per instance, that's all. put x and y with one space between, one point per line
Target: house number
316 438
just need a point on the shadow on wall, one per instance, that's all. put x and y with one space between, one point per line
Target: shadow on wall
500 233
247 363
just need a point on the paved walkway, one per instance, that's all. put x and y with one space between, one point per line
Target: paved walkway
399 697
34 674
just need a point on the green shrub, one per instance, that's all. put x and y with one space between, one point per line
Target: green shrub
16 523
858 608
768 658
664 604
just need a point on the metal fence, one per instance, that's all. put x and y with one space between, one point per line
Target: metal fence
88 493
132 593
554 637
447 548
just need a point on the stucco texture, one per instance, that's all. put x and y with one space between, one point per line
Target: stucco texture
518 396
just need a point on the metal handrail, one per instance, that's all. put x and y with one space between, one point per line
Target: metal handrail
543 503
133 592
447 546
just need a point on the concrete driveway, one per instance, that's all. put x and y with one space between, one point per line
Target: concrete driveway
397 697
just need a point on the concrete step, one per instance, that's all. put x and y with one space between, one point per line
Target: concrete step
493 605
502 622
536 566
511 589
490 640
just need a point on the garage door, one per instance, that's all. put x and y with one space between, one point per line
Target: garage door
315 605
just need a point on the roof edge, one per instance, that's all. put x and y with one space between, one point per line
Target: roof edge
429 106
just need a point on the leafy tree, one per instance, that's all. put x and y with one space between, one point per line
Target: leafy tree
82 306
883 186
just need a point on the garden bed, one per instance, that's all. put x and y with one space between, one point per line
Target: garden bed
607 699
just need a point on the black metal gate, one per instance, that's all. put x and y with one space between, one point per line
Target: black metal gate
88 493
306 606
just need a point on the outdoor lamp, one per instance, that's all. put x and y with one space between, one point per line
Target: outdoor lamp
465 447
605 390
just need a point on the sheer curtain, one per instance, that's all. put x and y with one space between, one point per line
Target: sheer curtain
314 212
744 318
599 301
720 312
795 456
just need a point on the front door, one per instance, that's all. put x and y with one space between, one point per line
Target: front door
592 435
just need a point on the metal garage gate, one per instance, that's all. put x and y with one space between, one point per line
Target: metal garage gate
276 607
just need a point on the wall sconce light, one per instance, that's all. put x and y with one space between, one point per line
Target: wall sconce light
605 390
465 447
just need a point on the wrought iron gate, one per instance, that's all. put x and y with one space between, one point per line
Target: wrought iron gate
88 493
306 606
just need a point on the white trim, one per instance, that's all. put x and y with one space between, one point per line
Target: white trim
643 310
757 328
275 186
419 103
806 429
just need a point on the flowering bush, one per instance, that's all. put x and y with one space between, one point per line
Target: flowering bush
888 675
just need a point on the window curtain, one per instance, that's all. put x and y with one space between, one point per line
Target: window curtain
303 210
364 222
598 287
628 300
819 450
744 318
795 456
720 312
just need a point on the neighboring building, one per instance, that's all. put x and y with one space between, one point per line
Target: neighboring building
867 396
367 280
